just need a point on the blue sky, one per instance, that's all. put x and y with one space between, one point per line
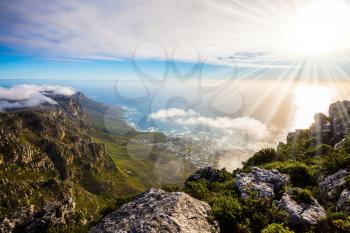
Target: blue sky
64 39
16 65
104 39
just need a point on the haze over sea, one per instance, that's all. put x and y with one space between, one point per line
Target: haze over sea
239 116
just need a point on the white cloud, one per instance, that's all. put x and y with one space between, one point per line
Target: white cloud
246 126
111 29
20 96
238 138
171 113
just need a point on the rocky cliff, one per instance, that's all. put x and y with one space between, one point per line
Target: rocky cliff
47 157
68 149
331 129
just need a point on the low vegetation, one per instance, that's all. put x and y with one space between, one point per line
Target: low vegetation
304 161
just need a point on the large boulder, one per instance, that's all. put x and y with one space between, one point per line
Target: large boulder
260 182
332 185
300 213
158 211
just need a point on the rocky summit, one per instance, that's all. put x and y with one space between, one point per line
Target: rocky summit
159 211
332 129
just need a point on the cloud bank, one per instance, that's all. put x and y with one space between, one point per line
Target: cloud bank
204 30
22 96
242 132
236 138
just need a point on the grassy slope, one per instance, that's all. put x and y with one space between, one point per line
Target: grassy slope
140 166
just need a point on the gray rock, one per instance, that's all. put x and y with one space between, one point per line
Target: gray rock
158 211
333 185
301 213
260 182
339 117
343 203
9 224
321 130
27 220
340 144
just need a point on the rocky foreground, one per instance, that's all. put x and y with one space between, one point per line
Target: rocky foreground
159 211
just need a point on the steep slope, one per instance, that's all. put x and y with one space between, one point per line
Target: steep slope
141 162
47 155
77 156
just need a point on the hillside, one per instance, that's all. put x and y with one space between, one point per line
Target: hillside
72 157
68 167
302 186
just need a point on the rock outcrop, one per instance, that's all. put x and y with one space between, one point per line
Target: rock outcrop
334 188
339 113
302 213
332 185
329 129
158 211
31 221
321 130
260 182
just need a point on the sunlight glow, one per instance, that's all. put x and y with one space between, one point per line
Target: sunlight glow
319 28
309 100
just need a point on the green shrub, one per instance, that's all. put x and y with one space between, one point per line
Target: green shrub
245 215
297 146
300 174
227 211
170 188
262 157
322 149
335 222
260 213
276 228
338 160
345 145
197 189
302 195
343 224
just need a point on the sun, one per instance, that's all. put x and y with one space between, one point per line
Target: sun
318 28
